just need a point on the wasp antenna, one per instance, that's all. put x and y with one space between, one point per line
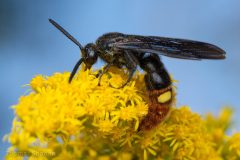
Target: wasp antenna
66 33
75 69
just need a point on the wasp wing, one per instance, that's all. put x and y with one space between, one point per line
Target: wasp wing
171 47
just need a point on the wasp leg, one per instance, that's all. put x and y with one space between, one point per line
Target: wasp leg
101 73
98 74
131 64
130 75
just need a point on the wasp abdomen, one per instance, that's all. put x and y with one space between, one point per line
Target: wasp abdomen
159 88
159 106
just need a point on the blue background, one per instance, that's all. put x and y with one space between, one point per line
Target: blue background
30 45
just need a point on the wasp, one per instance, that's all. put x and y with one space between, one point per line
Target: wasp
129 51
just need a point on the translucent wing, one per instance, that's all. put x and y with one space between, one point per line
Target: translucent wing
171 47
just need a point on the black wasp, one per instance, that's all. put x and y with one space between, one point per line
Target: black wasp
122 50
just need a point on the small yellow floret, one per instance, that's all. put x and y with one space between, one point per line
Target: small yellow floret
82 120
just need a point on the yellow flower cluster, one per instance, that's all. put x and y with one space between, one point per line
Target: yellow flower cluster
82 120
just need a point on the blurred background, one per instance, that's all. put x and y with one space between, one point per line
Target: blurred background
30 45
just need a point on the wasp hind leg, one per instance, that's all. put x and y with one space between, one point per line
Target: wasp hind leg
131 64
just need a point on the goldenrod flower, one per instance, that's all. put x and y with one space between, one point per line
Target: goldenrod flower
82 120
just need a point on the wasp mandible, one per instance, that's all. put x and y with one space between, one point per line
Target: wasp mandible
122 50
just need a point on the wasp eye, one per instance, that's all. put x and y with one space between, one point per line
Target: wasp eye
91 53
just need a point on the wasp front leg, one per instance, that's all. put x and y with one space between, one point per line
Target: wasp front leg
159 87
101 73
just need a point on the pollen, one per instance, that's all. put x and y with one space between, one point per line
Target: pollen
164 97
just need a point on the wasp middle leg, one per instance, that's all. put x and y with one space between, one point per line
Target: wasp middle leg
101 73
131 65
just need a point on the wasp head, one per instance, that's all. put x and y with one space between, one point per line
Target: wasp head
89 55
